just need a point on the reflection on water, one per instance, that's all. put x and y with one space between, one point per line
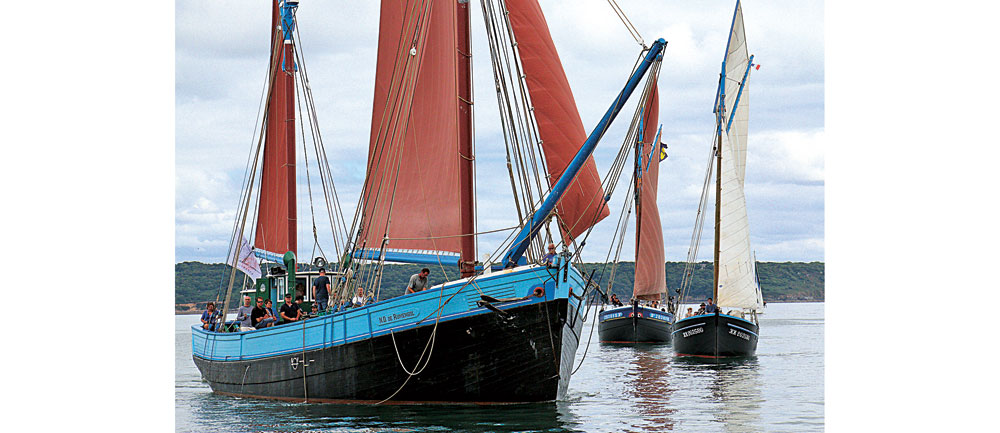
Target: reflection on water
737 388
648 383
617 388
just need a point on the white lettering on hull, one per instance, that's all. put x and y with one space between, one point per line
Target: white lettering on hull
694 331
742 335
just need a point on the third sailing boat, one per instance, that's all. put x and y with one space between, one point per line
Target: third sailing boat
732 329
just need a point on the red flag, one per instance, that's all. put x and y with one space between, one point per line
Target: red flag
758 67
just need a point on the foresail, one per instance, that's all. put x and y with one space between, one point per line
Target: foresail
737 60
737 273
650 272
411 193
559 125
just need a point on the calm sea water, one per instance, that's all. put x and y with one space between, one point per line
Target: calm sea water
617 388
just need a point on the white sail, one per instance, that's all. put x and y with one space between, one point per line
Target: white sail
737 274
737 59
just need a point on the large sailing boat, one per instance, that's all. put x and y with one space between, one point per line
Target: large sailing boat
637 323
506 330
732 329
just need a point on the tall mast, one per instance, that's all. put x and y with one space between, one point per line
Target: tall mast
719 115
466 169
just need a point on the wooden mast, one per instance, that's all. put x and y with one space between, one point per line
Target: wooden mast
718 215
466 170
720 113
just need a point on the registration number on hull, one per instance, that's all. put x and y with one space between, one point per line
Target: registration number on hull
694 331
742 335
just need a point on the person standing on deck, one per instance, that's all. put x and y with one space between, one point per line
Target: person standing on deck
243 314
547 258
418 282
710 307
321 290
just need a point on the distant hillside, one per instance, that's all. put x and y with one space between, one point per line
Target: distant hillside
196 283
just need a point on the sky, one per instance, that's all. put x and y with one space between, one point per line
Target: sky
221 64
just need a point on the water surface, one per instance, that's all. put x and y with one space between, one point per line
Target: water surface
617 388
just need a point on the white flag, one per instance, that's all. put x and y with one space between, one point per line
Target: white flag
247 262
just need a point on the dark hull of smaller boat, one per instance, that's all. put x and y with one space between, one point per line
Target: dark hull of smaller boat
715 336
638 325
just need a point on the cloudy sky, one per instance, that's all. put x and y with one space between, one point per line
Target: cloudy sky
221 63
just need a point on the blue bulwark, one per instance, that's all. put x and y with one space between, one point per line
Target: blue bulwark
451 301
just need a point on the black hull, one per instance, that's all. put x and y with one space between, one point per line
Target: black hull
715 336
486 358
633 330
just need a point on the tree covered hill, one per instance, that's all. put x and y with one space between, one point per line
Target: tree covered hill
196 283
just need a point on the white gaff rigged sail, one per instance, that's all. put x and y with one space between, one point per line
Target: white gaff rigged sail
737 60
737 273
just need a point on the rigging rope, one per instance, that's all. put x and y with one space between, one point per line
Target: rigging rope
628 24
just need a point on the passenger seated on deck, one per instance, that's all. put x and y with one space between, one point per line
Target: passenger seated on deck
689 313
418 282
259 315
290 311
243 315
210 318
615 301
270 311
700 310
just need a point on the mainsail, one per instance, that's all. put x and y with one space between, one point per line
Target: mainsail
413 194
559 125
650 274
737 274
276 218
737 269
737 61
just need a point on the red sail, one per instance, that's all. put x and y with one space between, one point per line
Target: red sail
650 274
559 124
412 189
276 225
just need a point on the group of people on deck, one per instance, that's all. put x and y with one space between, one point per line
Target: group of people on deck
263 314
706 307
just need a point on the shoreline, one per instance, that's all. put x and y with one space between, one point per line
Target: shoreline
189 311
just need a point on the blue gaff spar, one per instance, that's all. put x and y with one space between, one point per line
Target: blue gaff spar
508 329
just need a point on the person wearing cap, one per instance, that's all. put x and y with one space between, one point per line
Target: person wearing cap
548 257
700 310
290 311
321 289
418 282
